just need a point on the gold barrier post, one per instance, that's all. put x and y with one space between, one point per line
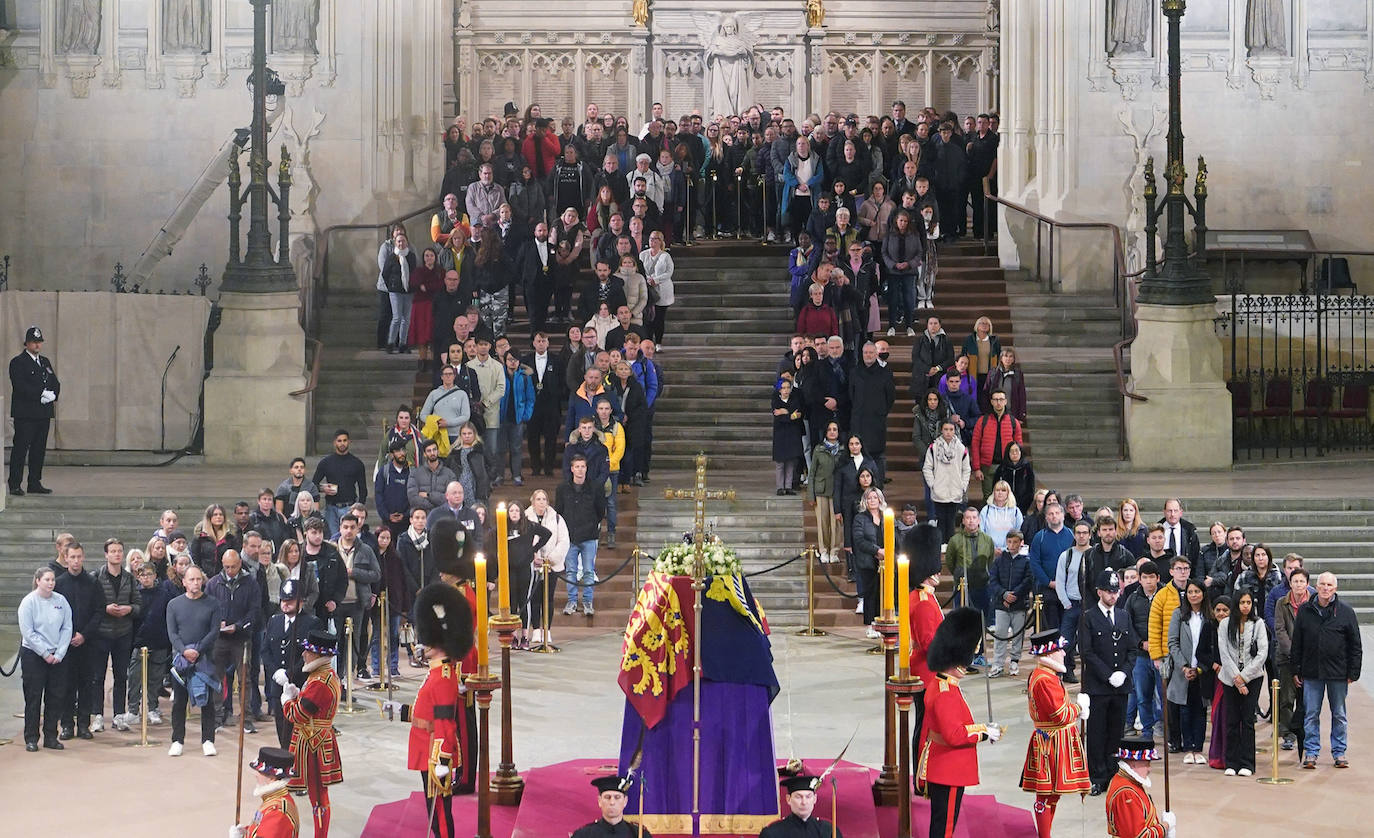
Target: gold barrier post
1037 605
347 678
384 646
639 582
545 644
687 211
739 207
1274 779
143 705
813 556
763 210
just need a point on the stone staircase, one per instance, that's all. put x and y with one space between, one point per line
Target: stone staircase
1065 348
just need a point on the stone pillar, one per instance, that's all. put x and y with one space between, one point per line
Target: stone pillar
250 416
1176 364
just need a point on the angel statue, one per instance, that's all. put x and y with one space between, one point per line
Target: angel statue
728 60
639 12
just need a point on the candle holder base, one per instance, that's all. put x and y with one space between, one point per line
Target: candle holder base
504 627
507 789
812 632
875 650
1275 781
886 789
482 684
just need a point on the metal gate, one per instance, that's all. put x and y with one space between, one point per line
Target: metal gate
1300 373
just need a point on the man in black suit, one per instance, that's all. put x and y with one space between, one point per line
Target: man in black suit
545 423
281 652
35 388
537 261
1107 645
1180 536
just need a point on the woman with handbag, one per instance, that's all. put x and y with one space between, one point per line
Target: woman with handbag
658 275
1243 644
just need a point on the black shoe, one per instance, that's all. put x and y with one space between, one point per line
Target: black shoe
38 489
1098 789
248 727
16 491
84 734
31 747
1069 678
782 492
1173 748
65 734
54 745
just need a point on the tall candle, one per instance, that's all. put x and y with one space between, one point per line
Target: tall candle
889 562
481 563
502 560
904 612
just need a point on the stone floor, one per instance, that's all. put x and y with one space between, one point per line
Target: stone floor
567 706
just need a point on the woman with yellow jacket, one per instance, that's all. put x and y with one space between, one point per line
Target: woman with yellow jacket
613 437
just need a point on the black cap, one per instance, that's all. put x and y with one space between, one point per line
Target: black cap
321 642
175 534
511 109
1136 747
1108 580
290 590
542 122
277 763
605 784
801 782
1047 642
33 335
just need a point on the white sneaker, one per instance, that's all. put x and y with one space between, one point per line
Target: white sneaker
859 609
1013 668
910 332
121 721
1139 727
154 717
771 237
892 331
1230 772
175 750
872 633
536 637
1245 772
208 748
97 724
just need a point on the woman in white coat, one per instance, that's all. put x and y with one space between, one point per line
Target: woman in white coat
658 273
1243 645
549 556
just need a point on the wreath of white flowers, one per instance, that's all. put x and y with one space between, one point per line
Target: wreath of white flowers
678 559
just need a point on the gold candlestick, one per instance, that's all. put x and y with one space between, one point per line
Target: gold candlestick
507 784
886 788
483 685
903 689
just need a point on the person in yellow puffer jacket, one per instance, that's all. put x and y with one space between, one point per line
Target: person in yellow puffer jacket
612 434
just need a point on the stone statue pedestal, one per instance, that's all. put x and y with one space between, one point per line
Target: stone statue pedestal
1176 364
250 416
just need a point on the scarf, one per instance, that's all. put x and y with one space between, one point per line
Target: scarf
831 448
946 452
405 267
664 170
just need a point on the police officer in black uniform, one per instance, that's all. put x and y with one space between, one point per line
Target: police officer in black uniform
1107 646
801 822
281 650
611 797
34 389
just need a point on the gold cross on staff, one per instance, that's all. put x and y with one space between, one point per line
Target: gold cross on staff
699 496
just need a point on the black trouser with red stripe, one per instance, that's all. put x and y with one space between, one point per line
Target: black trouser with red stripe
944 809
440 811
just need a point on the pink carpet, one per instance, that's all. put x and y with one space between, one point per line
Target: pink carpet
559 799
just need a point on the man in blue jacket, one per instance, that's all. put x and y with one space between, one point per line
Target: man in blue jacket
241 614
389 490
1045 549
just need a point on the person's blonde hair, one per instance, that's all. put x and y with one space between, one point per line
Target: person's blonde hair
1002 484
982 320
135 559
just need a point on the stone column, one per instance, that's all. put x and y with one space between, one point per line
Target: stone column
1176 364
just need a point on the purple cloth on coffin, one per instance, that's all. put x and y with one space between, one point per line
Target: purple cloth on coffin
738 769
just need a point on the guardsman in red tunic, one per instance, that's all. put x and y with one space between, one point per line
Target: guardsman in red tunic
1055 763
454 548
310 709
276 816
948 759
922 544
1130 811
443 625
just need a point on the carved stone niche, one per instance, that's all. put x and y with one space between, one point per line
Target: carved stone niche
79 70
186 70
1134 72
295 70
1268 71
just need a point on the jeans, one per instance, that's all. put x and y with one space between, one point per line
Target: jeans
612 518
1145 693
1192 719
901 300
399 332
393 643
1312 691
509 437
1005 623
1068 629
579 568
333 515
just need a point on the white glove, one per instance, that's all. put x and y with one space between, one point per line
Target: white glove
48 397
994 732
1118 678
391 708
280 677
1085 704
236 832
1170 822
289 691
440 771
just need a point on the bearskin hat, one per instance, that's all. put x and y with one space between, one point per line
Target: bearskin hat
453 548
956 640
921 544
443 619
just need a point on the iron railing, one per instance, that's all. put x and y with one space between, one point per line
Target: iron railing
1124 282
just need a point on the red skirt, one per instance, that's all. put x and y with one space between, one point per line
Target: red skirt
1055 763
421 322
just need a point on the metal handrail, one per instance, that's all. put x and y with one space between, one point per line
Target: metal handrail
309 392
317 289
1122 285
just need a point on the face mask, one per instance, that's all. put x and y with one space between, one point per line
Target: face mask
882 356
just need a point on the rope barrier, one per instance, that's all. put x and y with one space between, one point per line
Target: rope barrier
993 634
836 588
562 574
777 566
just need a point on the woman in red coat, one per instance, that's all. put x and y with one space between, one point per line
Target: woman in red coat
949 736
1055 764
443 618
816 317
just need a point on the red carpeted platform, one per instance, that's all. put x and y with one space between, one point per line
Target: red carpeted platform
559 799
